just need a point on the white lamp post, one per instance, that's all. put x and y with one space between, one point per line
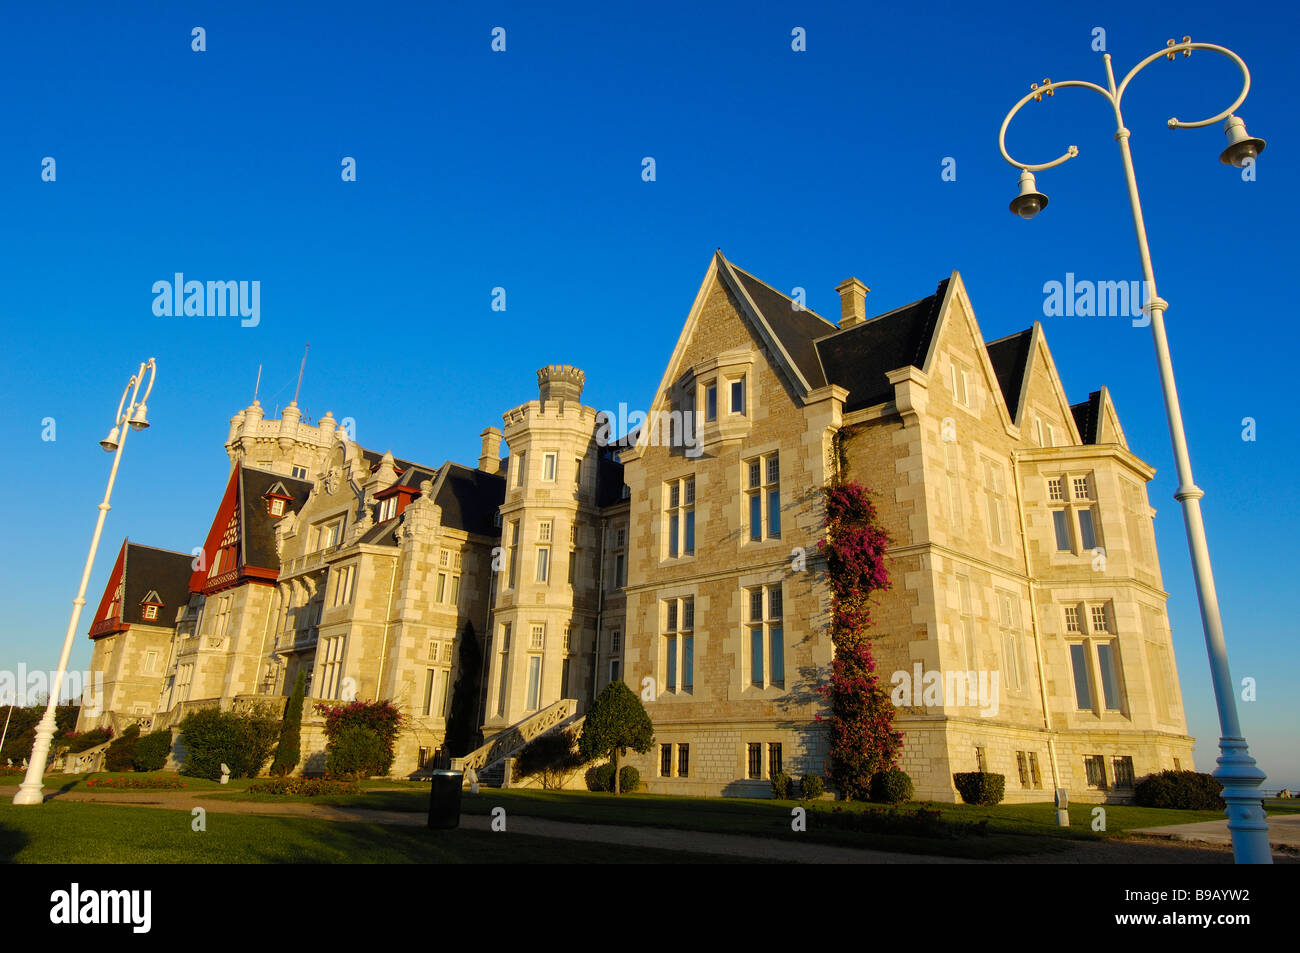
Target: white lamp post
1237 772
130 416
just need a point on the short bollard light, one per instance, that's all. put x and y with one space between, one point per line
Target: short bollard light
444 799
1062 808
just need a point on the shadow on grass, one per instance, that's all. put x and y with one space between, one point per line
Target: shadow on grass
12 841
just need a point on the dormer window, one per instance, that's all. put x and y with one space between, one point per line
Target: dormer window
152 602
387 509
277 500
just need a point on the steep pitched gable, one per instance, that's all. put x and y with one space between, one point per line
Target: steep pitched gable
1097 420
1010 358
108 616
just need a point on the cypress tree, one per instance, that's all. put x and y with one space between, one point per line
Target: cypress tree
289 750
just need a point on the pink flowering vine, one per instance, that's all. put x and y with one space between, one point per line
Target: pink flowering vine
863 740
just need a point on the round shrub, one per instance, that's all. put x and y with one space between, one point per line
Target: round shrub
781 786
601 777
151 751
891 787
980 787
1179 790
811 787
355 752
78 743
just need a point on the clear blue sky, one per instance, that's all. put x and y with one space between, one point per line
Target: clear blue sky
523 170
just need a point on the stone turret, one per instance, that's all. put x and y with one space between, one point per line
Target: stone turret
561 382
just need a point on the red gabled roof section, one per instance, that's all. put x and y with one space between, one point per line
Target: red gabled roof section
108 617
222 544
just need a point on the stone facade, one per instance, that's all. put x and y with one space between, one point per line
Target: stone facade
682 558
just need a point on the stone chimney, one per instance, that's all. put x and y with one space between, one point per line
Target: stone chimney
853 302
560 382
489 460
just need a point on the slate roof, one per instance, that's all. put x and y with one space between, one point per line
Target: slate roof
858 358
257 526
470 498
1010 357
150 569
1087 417
796 328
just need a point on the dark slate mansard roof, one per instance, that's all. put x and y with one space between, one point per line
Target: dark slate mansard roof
148 569
258 525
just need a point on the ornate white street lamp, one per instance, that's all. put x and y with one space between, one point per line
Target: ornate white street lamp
1237 772
130 416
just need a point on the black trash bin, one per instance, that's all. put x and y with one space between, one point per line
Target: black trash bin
444 799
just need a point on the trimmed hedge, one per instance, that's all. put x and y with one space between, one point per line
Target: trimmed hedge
120 755
891 787
243 741
151 751
1179 790
980 787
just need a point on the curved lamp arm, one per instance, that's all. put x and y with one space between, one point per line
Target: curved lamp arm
1186 48
1039 92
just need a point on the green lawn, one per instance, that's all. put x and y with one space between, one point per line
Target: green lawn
1012 828
67 832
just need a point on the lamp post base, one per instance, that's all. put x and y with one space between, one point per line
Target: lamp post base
31 791
1241 779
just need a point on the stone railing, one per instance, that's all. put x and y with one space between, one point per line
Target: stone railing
307 563
85 762
508 742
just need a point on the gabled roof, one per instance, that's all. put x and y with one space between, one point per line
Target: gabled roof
859 358
1010 359
145 575
793 326
1087 417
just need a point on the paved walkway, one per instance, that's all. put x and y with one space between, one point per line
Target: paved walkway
1283 832
1138 851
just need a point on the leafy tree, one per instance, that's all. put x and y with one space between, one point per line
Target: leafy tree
460 736
551 756
289 750
617 721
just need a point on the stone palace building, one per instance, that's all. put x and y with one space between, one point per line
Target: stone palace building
1025 631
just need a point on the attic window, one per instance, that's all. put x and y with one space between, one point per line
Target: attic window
277 497
387 509
152 602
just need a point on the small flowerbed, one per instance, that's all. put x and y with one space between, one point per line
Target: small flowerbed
136 784
304 787
9 772
922 822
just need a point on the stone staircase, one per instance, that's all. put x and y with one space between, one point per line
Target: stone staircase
488 761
